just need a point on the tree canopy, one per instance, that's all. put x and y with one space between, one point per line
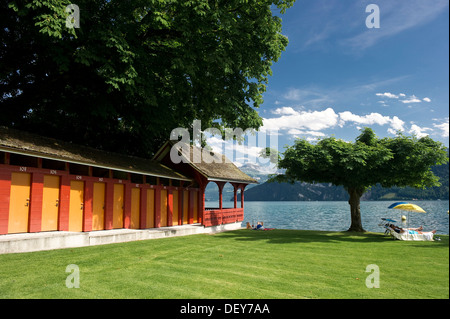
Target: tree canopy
135 70
400 161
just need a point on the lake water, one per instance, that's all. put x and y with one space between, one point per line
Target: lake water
335 216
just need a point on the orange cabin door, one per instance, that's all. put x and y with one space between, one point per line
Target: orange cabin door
98 207
50 203
150 208
76 206
19 206
118 206
195 207
185 207
135 207
163 207
175 208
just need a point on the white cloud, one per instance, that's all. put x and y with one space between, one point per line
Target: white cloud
312 123
307 96
388 95
297 132
373 118
285 110
412 99
419 131
443 127
309 120
293 95
239 154
395 123
311 139
392 131
405 100
294 131
314 133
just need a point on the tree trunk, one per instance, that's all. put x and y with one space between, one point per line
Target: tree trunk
354 201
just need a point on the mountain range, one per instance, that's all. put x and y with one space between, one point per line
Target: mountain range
300 191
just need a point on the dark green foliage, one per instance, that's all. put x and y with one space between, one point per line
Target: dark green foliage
135 70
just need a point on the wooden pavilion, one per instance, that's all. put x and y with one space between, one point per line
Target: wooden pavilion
217 169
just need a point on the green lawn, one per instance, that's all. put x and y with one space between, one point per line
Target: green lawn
237 264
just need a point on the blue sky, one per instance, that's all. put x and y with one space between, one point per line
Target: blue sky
338 76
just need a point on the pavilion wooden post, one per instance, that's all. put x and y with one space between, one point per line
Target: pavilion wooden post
242 187
202 183
220 185
235 195
237 186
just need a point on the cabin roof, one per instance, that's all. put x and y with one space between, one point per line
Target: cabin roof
20 142
217 167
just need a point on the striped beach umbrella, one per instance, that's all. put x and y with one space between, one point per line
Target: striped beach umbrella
407 207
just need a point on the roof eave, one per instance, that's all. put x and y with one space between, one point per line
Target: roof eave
68 160
213 179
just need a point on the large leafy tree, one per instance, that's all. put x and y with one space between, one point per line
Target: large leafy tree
400 161
136 69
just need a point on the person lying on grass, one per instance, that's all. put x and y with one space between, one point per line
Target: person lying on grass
411 230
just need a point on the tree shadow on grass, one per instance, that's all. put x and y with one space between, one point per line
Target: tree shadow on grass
284 236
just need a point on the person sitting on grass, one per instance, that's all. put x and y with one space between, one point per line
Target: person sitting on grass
260 226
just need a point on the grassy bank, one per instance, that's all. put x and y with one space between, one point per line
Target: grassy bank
237 264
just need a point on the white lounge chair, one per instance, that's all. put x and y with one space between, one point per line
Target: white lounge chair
411 235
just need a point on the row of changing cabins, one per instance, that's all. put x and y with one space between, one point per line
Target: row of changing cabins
51 185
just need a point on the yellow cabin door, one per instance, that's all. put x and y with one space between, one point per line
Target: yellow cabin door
163 207
150 208
185 207
98 207
135 207
19 206
50 203
118 206
76 206
175 208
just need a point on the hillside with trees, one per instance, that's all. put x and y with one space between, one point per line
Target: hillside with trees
327 192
